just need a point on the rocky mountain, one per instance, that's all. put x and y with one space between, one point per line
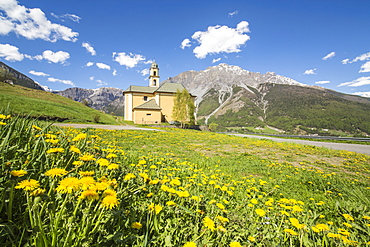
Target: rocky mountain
231 96
12 76
107 99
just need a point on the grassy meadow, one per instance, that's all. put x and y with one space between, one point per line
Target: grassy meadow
44 105
92 187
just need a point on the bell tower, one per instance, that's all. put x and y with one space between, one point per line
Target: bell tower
154 75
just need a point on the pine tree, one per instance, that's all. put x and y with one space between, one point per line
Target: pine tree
183 109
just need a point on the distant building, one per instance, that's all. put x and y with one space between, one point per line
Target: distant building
152 104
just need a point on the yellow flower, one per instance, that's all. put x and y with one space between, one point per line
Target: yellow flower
235 244
109 192
290 231
113 166
170 203
109 202
252 239
136 225
55 150
142 162
296 223
77 163
87 182
86 173
28 185
68 185
87 157
208 222
297 208
56 172
109 156
79 137
254 201
89 195
2 123
2 116
101 186
129 176
190 244
156 208
222 219
348 217
36 127
260 212
18 173
75 149
183 193
54 141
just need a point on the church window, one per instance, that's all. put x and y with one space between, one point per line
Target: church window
154 73
145 98
148 114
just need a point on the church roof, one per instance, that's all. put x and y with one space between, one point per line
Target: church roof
141 89
170 87
167 87
150 105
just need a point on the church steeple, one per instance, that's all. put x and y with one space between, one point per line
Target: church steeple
154 75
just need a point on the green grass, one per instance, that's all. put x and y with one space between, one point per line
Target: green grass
48 106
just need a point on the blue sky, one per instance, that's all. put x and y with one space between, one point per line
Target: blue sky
94 43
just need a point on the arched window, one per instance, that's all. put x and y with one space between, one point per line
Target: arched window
154 73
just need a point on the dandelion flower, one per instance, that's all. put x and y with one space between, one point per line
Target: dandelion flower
28 185
109 156
103 162
136 225
18 173
109 202
68 185
87 157
89 195
2 123
109 192
55 150
56 172
113 166
129 176
75 149
260 212
87 183
79 137
170 203
220 206
290 231
190 244
208 222
235 244
348 217
252 239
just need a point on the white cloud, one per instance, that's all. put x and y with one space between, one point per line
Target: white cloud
89 64
101 83
365 67
357 83
185 43
322 82
102 66
216 60
31 23
362 57
233 13
149 62
310 72
219 39
114 73
89 48
32 72
363 94
10 53
345 61
65 17
68 82
128 60
144 72
330 55
91 78
56 57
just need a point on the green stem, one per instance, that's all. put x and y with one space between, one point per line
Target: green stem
10 205
56 222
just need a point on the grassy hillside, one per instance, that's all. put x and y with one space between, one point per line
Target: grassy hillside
292 106
48 106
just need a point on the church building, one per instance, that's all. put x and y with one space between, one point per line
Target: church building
152 104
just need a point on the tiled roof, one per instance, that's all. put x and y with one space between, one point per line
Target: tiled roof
141 89
170 87
150 105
